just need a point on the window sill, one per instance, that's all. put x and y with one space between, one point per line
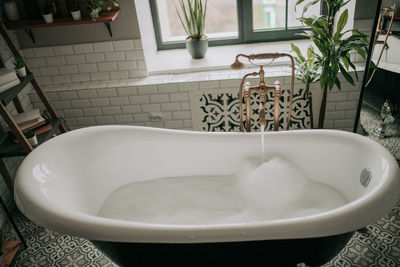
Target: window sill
217 58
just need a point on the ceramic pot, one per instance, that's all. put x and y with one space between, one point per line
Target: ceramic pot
76 15
48 18
197 48
32 140
94 14
21 72
11 9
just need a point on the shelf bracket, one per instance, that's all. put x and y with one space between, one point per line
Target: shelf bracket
30 33
108 25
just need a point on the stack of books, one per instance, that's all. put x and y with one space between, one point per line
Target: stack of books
32 120
8 79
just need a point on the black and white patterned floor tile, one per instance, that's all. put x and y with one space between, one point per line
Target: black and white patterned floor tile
378 245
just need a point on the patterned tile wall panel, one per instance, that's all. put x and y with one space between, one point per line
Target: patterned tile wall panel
218 110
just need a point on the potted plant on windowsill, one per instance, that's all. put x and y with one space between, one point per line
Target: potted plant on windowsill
19 66
193 20
75 10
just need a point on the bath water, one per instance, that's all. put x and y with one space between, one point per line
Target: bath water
276 189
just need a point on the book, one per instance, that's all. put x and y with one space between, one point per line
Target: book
33 125
27 117
8 85
7 76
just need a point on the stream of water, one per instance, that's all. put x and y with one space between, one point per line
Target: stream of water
262 143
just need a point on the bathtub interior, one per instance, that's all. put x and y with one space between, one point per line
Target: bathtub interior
96 161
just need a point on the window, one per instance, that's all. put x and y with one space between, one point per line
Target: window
232 21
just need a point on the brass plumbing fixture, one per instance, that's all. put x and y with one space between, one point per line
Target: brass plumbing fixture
262 89
385 12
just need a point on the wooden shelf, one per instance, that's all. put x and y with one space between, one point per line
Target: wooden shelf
10 149
8 95
105 17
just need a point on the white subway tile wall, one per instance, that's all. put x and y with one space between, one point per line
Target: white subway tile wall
87 62
107 83
131 102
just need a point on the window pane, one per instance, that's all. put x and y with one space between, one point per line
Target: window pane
293 15
221 20
269 14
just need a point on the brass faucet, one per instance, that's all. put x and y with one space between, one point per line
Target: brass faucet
261 89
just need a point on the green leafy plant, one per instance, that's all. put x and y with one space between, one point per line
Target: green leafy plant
334 47
75 5
110 4
95 4
307 67
18 62
193 17
49 7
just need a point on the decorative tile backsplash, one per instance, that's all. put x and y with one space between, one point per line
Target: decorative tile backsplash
218 110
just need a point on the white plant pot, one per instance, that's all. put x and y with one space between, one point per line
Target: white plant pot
21 72
48 18
11 9
76 15
32 140
94 14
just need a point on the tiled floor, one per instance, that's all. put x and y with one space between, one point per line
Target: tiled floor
379 246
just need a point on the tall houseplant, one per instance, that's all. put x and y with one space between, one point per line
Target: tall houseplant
193 19
333 45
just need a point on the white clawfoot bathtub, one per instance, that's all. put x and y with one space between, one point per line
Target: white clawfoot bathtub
129 184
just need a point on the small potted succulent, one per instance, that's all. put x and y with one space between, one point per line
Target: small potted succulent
47 13
193 19
75 10
19 66
31 137
95 7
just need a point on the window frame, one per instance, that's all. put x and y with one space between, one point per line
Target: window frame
246 34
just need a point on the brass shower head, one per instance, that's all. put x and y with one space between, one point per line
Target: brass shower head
237 65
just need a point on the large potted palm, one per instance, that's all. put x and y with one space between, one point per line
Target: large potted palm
334 47
193 20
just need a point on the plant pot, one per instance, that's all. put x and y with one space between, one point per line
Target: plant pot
11 9
76 15
197 48
32 140
94 14
48 18
21 72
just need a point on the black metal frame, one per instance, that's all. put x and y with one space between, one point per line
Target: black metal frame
367 66
14 225
246 34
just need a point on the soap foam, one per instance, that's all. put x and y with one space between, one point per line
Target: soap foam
276 189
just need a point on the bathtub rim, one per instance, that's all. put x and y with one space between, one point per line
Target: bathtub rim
94 227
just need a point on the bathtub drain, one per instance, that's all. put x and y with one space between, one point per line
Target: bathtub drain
365 177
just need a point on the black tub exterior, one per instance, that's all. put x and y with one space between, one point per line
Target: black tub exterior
288 252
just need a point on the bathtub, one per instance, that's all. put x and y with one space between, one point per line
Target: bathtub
65 183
